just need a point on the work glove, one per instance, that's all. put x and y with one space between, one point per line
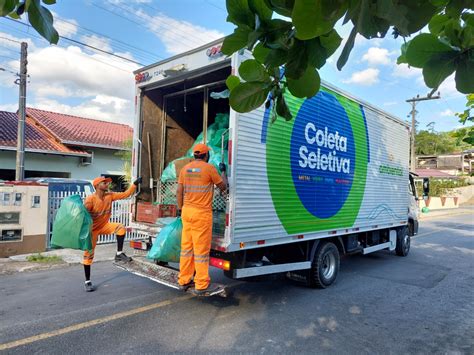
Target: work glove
138 181
178 213
222 167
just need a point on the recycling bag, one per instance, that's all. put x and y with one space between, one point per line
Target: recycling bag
72 226
167 245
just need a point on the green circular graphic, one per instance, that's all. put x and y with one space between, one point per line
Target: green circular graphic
293 215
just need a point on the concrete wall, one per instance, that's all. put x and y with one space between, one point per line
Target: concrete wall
105 162
32 222
459 196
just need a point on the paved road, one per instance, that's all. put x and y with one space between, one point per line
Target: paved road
380 304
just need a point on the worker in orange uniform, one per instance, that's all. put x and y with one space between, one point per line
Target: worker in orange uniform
194 196
99 206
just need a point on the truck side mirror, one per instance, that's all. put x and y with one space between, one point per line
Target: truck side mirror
426 187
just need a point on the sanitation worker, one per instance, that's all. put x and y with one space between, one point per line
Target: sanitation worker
99 206
194 196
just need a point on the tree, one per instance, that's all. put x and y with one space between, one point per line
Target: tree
468 116
304 37
38 15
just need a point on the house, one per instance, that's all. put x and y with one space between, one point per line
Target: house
452 164
60 145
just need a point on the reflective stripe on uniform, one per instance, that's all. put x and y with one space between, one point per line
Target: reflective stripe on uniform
197 188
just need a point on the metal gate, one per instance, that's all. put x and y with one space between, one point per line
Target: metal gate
120 214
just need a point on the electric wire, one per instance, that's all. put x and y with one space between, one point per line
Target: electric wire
85 45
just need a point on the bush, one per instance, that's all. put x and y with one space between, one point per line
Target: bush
441 188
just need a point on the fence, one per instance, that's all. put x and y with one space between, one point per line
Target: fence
120 214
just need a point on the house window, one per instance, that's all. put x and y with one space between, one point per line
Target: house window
9 217
11 235
5 199
35 201
17 199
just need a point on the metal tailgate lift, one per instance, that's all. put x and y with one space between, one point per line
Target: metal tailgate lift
164 275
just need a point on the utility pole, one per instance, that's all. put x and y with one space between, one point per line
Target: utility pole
413 120
20 152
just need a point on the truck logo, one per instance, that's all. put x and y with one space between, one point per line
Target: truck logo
214 52
317 162
142 77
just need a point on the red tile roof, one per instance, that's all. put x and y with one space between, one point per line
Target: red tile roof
36 138
81 131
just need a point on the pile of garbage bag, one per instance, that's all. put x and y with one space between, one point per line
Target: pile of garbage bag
213 141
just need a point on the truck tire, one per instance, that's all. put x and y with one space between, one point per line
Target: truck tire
325 266
403 242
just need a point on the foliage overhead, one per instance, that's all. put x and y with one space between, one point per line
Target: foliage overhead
38 15
468 116
303 37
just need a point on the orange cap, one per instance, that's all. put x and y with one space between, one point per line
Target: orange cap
100 179
200 149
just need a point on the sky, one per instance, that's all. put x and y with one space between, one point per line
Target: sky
73 79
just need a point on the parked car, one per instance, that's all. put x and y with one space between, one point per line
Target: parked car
65 185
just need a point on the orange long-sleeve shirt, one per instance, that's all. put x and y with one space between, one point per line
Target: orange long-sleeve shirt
100 209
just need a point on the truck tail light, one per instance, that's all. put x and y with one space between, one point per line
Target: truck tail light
230 153
220 263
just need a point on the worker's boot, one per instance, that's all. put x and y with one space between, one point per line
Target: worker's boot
210 289
89 287
122 258
186 286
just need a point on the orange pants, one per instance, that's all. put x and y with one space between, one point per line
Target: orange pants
195 247
109 228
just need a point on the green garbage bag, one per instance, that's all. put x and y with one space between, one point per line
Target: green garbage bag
167 245
72 226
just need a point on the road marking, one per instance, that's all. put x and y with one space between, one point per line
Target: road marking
91 323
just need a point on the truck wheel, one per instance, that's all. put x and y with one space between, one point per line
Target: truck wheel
403 242
325 266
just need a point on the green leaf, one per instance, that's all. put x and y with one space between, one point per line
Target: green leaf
317 54
251 70
347 49
249 96
253 37
42 21
331 42
235 41
261 9
306 86
260 52
439 2
14 15
421 48
437 24
308 19
232 81
438 68
239 13
7 6
282 108
297 60
402 58
465 74
49 2
276 57
281 7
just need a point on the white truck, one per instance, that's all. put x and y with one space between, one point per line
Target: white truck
332 181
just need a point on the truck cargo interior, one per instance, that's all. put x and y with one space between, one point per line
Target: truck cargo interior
175 117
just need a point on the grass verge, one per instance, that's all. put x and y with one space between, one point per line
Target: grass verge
38 258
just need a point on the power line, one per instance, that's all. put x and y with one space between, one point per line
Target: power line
111 38
86 45
217 7
190 43
9 39
83 54
4 56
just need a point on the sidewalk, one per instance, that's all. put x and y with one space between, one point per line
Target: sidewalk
19 263
447 212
